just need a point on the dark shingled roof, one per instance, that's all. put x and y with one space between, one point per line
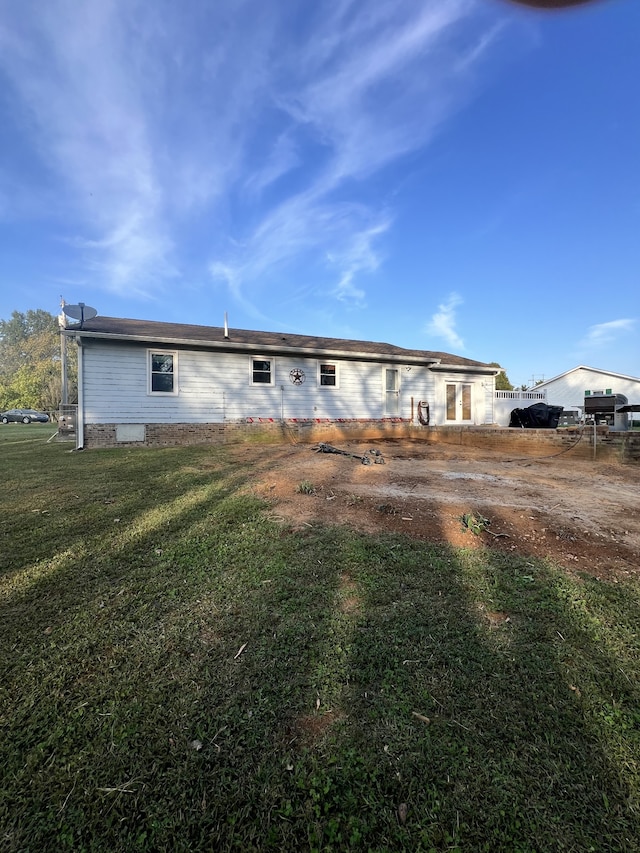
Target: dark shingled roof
243 339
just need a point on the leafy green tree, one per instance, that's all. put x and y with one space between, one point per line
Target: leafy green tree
502 380
30 361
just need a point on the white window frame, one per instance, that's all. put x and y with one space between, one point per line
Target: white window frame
272 378
158 351
333 364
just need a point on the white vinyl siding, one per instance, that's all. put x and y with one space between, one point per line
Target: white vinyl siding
471 396
214 387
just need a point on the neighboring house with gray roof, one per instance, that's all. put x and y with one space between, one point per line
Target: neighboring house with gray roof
165 383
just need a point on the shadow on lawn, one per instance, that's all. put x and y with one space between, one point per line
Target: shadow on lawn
460 707
224 683
62 502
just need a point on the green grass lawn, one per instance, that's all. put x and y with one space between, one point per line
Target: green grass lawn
180 673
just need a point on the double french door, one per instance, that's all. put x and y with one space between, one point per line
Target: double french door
458 402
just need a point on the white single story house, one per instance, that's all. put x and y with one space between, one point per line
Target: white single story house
570 389
147 382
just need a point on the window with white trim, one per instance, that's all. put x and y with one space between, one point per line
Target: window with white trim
262 371
163 372
327 374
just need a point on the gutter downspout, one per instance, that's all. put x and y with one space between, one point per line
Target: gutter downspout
64 394
80 414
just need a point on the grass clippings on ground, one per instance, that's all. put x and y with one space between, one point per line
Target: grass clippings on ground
180 672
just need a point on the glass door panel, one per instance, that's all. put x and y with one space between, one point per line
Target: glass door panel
465 401
391 392
451 402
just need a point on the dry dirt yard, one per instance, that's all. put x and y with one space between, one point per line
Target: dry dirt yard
584 515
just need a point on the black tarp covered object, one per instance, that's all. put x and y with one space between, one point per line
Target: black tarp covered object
538 416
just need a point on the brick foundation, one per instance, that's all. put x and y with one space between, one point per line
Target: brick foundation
621 446
577 442
264 431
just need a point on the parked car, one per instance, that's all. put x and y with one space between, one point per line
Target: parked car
24 416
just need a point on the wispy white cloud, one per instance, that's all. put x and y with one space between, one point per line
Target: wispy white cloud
69 68
282 158
369 85
382 89
237 122
443 322
485 39
344 236
605 334
359 255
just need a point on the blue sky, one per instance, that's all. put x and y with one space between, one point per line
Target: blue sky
457 175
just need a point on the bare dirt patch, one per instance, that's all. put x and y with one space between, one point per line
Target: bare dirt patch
584 515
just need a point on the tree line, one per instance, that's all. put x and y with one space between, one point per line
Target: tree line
31 362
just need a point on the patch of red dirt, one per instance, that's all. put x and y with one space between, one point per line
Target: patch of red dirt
581 514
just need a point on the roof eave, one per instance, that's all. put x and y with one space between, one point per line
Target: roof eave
232 346
475 368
